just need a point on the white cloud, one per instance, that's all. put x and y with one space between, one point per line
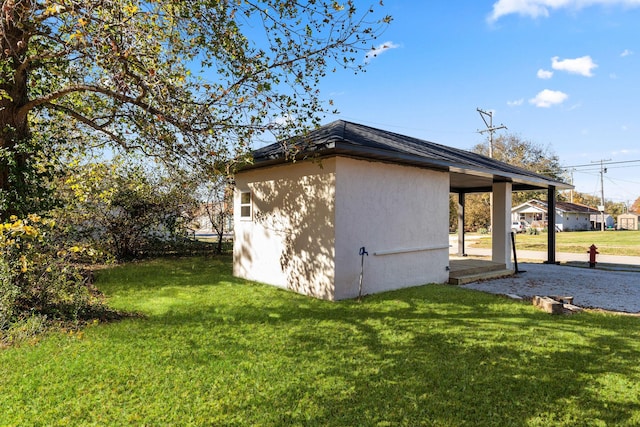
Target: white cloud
541 8
283 120
544 74
582 65
626 52
625 152
547 98
515 103
379 50
530 8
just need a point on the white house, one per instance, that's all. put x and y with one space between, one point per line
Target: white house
201 223
361 206
568 216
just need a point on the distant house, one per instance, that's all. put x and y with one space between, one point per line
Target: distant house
201 217
596 220
362 206
629 221
568 216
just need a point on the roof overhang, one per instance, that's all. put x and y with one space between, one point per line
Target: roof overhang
469 172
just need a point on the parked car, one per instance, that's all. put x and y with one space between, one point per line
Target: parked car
519 226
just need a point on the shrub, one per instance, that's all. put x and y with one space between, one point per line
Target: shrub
8 295
123 209
38 276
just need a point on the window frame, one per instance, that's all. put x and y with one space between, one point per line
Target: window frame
246 205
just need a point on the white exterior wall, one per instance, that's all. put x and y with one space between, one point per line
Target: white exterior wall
400 215
560 225
289 241
574 221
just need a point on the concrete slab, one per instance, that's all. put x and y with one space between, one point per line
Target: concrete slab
591 288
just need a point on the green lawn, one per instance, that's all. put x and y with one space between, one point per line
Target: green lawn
214 350
607 242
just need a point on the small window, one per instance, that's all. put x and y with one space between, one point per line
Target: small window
245 205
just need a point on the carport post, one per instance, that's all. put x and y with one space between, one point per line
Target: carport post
461 225
551 225
501 229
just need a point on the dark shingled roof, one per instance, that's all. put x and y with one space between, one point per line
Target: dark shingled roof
470 172
562 206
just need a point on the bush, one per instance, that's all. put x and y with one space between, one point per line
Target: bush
39 276
124 210
8 295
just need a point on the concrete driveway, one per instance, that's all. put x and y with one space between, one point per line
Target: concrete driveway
614 285
591 288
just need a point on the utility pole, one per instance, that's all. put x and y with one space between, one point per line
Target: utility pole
571 191
603 170
490 127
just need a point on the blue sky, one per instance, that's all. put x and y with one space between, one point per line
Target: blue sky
564 74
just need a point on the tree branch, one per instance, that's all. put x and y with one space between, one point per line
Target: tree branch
97 89
87 121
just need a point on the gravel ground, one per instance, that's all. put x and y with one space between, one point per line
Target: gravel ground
591 288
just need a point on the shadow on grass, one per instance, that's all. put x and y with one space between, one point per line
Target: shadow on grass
433 355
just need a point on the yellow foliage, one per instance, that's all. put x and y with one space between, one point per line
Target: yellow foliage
53 9
130 9
30 231
34 218
76 35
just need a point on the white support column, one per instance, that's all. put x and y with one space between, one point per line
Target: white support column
501 230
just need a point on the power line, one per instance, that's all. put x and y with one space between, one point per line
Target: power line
606 162
597 169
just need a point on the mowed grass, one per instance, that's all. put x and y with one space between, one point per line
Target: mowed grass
607 242
215 350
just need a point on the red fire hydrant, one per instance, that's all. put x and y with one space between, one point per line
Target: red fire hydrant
593 251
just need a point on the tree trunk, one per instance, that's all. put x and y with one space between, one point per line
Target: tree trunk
219 247
14 127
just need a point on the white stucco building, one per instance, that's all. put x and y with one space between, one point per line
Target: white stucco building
301 225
